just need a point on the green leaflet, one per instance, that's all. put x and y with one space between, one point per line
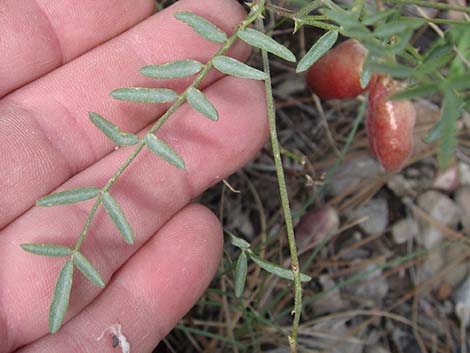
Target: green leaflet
47 249
396 27
199 101
460 82
393 69
241 269
421 90
69 196
459 36
145 95
60 300
118 217
236 241
322 45
450 113
378 16
230 66
434 64
203 27
434 133
260 40
88 270
112 131
164 151
276 270
366 74
174 69
343 18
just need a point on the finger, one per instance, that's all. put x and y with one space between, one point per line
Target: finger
149 194
45 131
152 291
40 35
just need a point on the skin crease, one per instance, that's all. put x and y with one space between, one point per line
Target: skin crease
390 125
337 74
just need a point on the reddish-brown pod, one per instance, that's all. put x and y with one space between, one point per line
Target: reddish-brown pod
390 125
337 74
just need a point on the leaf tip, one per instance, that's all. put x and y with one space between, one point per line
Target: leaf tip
40 202
25 246
116 93
93 115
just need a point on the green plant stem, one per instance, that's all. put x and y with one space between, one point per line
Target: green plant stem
254 14
284 201
433 5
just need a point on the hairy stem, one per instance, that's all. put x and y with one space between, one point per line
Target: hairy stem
433 5
254 14
284 200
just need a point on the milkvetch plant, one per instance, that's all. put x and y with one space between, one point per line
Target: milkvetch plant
382 38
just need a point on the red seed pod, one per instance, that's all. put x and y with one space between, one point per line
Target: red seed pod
337 74
390 125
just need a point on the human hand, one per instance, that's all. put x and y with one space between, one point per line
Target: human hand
48 143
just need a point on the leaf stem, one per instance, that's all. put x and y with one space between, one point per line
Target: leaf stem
284 200
254 14
433 5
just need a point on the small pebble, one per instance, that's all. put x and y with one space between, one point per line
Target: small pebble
443 210
404 230
376 212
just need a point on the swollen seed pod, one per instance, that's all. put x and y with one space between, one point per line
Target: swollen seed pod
390 125
337 74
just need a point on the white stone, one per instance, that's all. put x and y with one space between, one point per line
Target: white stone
404 230
442 209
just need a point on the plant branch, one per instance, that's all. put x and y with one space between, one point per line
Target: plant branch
284 200
433 5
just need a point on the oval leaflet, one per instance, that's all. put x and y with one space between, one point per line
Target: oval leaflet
161 149
233 67
199 102
241 269
145 95
47 250
174 69
203 27
88 270
262 41
112 131
118 217
69 196
60 300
